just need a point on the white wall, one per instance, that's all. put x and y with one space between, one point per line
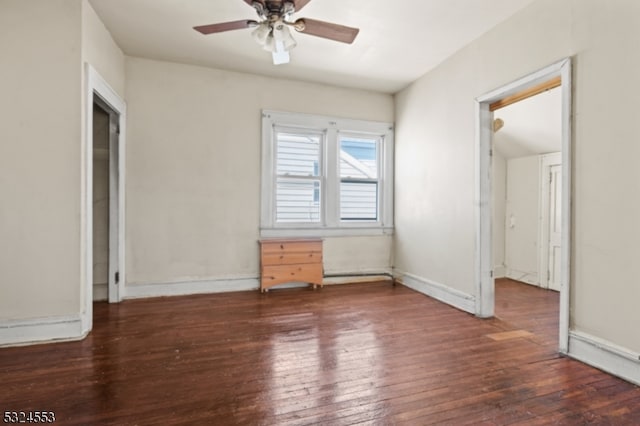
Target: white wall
357 255
606 173
521 216
435 167
100 50
44 44
196 130
40 83
193 170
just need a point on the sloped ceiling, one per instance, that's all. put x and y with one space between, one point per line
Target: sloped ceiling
532 126
398 42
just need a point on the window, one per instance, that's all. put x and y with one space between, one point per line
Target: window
358 178
325 176
298 177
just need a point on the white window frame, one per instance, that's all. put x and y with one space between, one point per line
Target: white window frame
331 128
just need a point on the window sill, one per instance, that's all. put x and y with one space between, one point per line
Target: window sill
324 232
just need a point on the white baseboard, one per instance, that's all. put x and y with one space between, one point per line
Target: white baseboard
185 288
441 292
605 356
40 330
523 277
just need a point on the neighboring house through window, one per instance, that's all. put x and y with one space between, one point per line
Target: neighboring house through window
325 176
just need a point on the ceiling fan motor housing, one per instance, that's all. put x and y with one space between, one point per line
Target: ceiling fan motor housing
273 9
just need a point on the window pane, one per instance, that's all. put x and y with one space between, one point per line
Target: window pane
358 158
358 200
297 200
297 155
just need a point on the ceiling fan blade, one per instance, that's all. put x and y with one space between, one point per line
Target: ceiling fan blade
300 4
225 26
326 30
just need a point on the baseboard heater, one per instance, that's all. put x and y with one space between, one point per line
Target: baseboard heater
357 277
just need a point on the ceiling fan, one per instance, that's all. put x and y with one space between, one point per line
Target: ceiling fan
272 29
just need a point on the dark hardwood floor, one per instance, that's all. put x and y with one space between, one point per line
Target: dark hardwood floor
352 354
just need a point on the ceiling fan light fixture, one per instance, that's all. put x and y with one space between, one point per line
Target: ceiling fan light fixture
273 28
280 57
269 44
261 33
278 51
282 34
288 8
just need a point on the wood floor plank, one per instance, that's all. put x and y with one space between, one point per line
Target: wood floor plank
507 335
369 353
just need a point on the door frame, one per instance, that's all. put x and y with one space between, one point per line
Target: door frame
485 284
98 88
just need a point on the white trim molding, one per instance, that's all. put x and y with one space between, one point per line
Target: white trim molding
329 130
242 283
98 86
441 292
41 330
605 356
530 277
186 288
325 232
499 271
484 277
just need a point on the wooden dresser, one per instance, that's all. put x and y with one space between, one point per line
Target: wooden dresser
290 260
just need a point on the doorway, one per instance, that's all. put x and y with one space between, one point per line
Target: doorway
101 215
105 202
522 88
103 206
526 178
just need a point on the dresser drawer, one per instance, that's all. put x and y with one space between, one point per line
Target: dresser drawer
309 273
291 258
291 246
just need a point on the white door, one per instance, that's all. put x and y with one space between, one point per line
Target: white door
555 223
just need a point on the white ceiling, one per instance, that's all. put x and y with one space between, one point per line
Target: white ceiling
398 42
532 126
